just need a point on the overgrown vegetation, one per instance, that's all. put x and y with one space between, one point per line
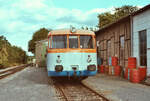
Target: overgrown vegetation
108 18
41 34
10 55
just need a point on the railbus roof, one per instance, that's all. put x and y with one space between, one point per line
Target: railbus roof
68 31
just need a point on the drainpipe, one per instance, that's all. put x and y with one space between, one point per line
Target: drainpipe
131 26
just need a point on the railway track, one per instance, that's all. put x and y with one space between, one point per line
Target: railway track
7 72
75 91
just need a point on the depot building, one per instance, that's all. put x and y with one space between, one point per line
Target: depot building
127 37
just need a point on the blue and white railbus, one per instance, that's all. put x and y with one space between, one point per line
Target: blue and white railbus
71 53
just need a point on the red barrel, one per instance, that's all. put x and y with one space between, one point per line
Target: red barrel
131 62
102 69
135 76
117 70
114 61
130 74
126 73
106 69
143 71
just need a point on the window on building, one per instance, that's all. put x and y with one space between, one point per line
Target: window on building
122 48
73 41
59 41
143 47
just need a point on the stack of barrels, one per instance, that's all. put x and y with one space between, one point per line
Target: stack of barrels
131 65
133 73
117 68
113 69
104 69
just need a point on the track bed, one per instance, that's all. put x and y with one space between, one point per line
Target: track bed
75 91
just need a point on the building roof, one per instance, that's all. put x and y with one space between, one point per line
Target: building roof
68 31
41 41
126 17
141 10
113 23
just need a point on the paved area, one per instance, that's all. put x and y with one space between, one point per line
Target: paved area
31 84
147 81
117 88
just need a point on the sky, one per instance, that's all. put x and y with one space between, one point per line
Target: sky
19 19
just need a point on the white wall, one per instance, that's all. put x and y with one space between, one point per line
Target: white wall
141 22
148 50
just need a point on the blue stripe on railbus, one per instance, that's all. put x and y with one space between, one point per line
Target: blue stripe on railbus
71 73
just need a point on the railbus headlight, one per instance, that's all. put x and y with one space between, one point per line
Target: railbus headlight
58 68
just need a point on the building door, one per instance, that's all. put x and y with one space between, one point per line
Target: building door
122 51
143 48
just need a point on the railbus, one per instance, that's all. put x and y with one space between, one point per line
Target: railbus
71 53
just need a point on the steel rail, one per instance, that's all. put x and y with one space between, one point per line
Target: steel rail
65 92
100 95
62 92
11 71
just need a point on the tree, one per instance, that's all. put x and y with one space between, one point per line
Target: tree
10 55
107 18
41 34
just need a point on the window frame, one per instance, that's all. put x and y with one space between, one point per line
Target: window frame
108 50
122 48
49 41
77 41
93 42
65 40
143 56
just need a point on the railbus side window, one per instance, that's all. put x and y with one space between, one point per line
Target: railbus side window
73 41
49 43
86 42
59 41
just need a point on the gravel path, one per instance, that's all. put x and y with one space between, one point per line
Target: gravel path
118 89
31 84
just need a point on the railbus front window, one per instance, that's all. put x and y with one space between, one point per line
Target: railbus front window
59 41
73 41
86 42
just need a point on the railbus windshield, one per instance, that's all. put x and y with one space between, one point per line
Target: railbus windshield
86 42
73 41
59 41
